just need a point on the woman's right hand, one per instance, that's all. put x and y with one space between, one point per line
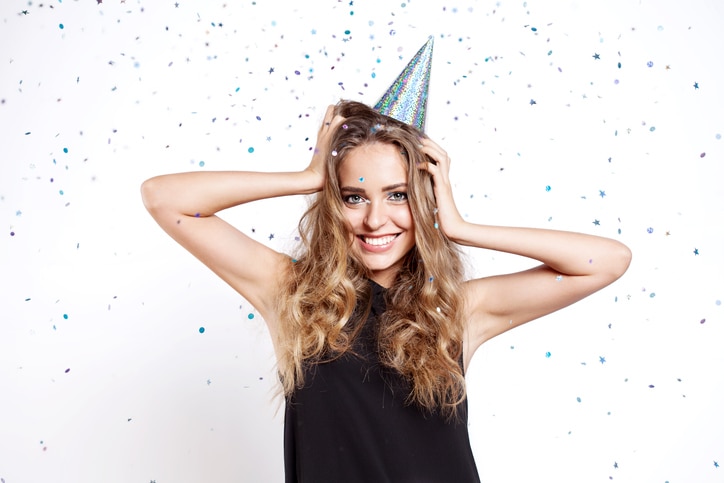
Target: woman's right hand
317 166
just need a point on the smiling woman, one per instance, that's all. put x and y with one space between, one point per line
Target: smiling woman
372 317
372 322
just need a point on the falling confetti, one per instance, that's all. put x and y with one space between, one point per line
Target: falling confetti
236 78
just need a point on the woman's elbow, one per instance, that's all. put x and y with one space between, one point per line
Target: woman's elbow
150 190
620 260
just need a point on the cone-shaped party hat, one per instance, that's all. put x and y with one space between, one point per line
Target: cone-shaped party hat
406 99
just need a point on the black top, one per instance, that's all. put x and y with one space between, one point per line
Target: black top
350 423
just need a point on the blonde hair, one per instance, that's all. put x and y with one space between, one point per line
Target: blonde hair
325 294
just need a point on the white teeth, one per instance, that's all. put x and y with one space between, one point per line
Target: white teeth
379 241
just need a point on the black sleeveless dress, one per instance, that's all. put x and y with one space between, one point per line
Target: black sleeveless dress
349 423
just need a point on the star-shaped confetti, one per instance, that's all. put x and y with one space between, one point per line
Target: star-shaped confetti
596 56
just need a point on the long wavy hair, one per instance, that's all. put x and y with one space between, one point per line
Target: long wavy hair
325 291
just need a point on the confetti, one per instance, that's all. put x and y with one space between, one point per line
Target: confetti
560 96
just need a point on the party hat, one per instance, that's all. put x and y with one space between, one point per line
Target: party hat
406 99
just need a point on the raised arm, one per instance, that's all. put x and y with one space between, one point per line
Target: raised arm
574 265
185 206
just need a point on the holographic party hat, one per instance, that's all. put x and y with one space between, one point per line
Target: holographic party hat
406 99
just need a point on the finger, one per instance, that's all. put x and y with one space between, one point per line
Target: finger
328 116
433 150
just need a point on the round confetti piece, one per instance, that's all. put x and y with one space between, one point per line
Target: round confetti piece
250 316
201 330
250 150
65 316
61 26
202 164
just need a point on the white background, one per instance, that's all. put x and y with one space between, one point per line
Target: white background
104 373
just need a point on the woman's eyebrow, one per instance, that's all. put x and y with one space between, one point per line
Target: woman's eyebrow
352 189
394 186
358 190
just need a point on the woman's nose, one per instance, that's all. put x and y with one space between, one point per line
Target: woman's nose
376 215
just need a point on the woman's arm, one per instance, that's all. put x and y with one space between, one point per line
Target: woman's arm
574 265
185 206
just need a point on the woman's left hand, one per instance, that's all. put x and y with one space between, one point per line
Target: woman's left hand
448 216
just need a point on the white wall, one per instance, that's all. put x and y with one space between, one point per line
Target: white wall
104 374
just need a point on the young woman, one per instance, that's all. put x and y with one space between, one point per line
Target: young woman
372 322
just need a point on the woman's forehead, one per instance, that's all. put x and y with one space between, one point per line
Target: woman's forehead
374 162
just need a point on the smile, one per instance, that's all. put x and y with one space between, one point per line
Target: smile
378 241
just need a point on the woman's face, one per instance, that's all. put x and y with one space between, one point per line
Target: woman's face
373 184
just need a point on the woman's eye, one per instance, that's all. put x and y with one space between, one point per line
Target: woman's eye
354 199
398 196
